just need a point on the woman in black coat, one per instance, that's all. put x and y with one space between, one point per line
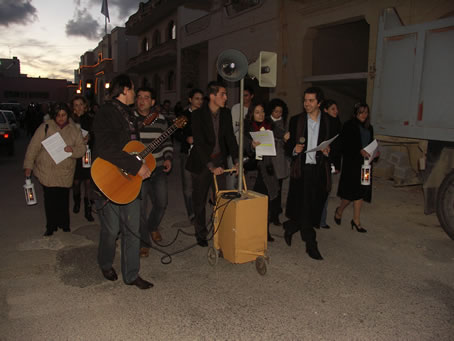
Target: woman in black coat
82 117
356 134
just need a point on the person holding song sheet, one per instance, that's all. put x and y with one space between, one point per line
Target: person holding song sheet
356 134
309 174
266 181
56 179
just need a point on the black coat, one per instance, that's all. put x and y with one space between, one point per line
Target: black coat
296 206
350 187
204 138
112 132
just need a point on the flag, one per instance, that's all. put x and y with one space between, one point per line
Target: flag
105 9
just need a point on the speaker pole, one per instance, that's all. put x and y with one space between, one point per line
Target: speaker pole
241 139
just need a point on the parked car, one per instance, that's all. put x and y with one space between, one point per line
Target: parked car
17 109
12 121
6 134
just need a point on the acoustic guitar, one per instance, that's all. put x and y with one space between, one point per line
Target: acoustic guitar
115 183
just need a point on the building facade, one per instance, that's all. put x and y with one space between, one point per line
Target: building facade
155 25
18 88
327 43
99 66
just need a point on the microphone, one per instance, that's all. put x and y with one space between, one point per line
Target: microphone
302 140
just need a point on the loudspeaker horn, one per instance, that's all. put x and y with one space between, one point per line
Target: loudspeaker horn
264 69
232 65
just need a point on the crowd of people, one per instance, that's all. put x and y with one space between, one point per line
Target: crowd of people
208 144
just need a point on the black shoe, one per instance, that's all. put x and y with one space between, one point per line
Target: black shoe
141 283
325 227
337 220
110 274
202 242
48 233
312 251
270 238
358 228
276 221
87 206
288 238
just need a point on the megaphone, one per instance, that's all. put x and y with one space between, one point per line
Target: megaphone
232 65
264 69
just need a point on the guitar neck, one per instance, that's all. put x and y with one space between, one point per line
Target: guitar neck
157 142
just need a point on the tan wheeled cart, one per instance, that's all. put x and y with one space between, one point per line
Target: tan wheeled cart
240 227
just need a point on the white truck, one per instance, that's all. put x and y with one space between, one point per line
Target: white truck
413 100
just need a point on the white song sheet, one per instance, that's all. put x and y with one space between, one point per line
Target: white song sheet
372 149
266 146
322 145
55 146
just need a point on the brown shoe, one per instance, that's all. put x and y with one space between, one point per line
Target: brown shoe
110 274
156 236
141 283
144 252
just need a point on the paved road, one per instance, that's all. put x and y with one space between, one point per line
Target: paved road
394 283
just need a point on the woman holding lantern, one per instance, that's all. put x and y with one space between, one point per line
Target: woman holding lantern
356 134
56 179
82 178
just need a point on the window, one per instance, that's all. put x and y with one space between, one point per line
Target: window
171 31
156 38
145 45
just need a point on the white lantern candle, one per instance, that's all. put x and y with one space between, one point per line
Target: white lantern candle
365 173
30 194
86 159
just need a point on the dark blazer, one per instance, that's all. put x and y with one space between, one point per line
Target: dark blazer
320 181
204 138
325 133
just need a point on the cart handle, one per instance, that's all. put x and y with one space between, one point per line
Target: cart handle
231 170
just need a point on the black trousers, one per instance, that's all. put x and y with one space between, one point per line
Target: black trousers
313 198
201 184
56 205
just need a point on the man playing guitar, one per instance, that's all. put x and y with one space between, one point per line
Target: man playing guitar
114 126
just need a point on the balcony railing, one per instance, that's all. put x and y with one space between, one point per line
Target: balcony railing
155 57
198 25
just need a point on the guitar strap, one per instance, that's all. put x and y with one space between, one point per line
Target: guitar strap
130 119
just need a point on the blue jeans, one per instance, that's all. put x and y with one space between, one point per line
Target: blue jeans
186 180
115 219
155 189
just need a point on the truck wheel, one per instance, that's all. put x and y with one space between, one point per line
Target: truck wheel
445 204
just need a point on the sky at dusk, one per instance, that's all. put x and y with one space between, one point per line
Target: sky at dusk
49 36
